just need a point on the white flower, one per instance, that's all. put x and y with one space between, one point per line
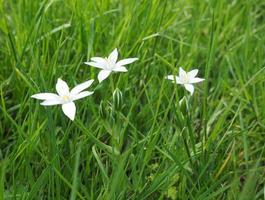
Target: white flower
186 79
110 64
65 97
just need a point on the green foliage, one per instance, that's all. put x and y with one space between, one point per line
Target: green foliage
136 137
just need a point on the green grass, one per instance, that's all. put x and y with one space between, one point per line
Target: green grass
143 144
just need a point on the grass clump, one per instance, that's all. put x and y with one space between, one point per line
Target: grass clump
153 140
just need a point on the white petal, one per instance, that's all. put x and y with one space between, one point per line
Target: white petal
196 80
62 87
174 79
103 74
189 87
120 69
113 56
193 73
181 72
69 110
81 87
98 59
82 95
45 96
96 64
170 77
51 102
126 61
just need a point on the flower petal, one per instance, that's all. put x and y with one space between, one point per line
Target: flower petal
113 56
62 87
82 95
193 73
96 64
103 74
126 61
182 73
174 79
51 102
119 69
170 77
98 59
189 87
81 87
45 96
196 80
69 110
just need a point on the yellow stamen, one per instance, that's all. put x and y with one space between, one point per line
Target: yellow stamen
66 97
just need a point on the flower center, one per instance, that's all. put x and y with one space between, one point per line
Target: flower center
109 64
66 98
185 78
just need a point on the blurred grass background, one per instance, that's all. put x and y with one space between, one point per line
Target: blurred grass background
138 142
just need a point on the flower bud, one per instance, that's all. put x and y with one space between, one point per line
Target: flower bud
117 99
183 104
102 110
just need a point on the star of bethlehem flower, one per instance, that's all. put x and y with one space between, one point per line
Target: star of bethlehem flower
65 97
110 64
186 78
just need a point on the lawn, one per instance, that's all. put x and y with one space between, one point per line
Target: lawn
139 135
